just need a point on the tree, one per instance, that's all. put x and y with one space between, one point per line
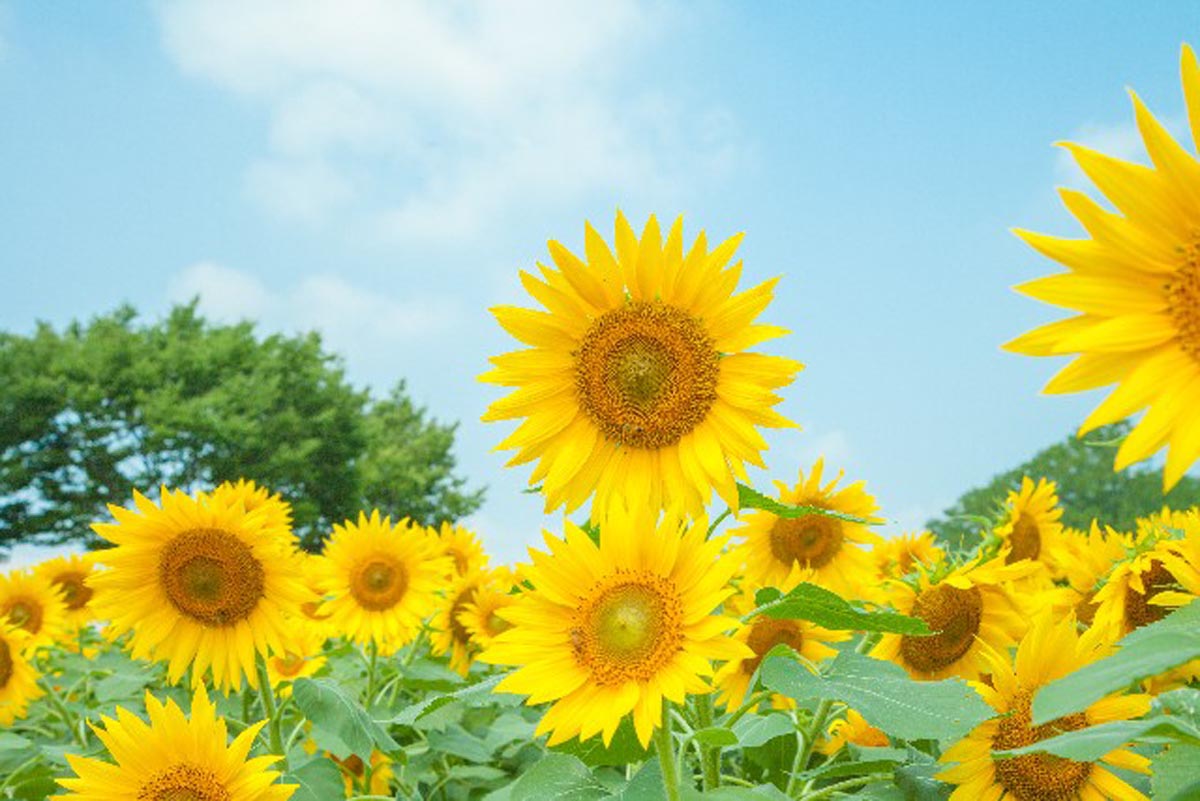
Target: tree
92 413
1088 489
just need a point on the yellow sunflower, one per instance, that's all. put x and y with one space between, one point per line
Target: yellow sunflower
1050 650
637 384
1091 557
852 729
18 679
175 758
301 656
200 582
971 608
613 629
463 548
1032 528
255 498
896 557
382 580
449 634
829 547
481 616
30 602
1136 285
69 574
354 772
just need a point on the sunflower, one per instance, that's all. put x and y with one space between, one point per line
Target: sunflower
614 628
69 574
481 616
1050 650
200 582
827 546
449 634
1032 528
253 497
1136 286
1092 556
382 580
18 679
637 385
174 758
896 557
301 656
971 608
852 729
354 771
463 548
31 603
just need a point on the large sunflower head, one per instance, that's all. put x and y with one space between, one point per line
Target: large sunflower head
175 757
827 546
70 575
1135 285
1032 527
637 384
463 548
612 629
381 580
200 582
31 603
1050 650
18 679
896 557
255 498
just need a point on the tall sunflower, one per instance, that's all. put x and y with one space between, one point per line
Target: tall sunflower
381 580
31 603
827 546
1136 285
613 629
1049 651
637 385
173 758
70 575
1032 528
200 582
18 679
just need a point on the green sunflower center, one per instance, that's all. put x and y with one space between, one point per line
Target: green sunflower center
1138 609
1183 298
765 634
211 576
379 583
1026 539
955 615
809 540
75 592
1038 777
25 613
646 374
628 630
6 664
184 782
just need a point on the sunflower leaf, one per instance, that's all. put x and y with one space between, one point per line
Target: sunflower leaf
750 498
1173 773
412 714
316 780
827 609
558 777
1093 742
341 719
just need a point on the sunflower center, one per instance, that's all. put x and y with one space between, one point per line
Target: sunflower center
646 374
74 591
457 630
1026 539
809 540
24 613
629 628
6 664
1183 298
497 625
955 615
1138 609
1038 777
379 583
289 664
765 634
184 783
211 576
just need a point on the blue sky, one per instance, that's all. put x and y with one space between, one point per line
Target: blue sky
380 171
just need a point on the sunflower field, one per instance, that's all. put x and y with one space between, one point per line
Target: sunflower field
682 635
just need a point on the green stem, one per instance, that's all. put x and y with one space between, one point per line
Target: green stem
69 720
665 746
274 732
710 755
848 784
805 749
371 665
712 527
750 703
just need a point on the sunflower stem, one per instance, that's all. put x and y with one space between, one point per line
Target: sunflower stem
274 731
665 746
805 747
710 755
373 648
848 784
712 527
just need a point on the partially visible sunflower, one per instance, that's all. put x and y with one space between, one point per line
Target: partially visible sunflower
70 575
482 617
1159 576
1049 651
637 386
829 547
301 656
1092 556
30 602
1032 528
1135 284
612 629
449 635
852 729
18 679
382 580
174 758
896 557
200 582
463 548
255 498
354 772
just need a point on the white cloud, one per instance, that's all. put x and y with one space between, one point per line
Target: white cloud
435 120
833 446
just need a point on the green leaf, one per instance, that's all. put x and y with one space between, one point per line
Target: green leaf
884 695
1145 652
841 770
417 711
827 609
1174 776
755 730
558 777
716 735
750 498
318 780
341 718
763 791
622 750
1093 742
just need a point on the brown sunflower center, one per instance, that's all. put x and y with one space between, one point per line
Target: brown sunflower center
1026 539
25 613
457 630
1183 298
211 576
379 583
628 628
809 540
646 374
765 634
184 782
1038 777
1138 609
289 664
74 591
955 615
6 664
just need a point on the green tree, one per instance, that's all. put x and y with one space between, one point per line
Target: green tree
1088 489
97 410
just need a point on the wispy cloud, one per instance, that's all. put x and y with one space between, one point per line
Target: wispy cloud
1121 140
